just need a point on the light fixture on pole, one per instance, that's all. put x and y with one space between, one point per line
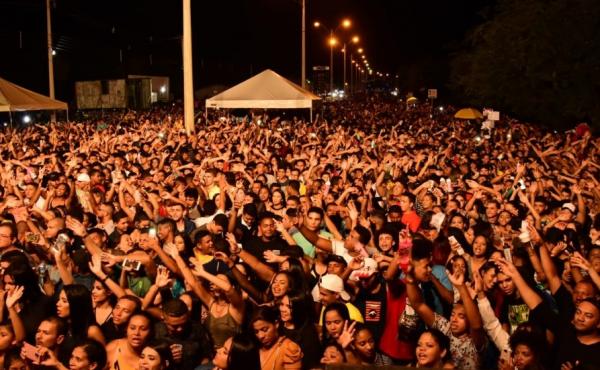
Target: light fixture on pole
346 23
51 53
188 76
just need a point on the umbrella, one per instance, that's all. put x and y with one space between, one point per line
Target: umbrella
412 99
468 113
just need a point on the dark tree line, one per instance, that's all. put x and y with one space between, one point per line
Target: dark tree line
536 59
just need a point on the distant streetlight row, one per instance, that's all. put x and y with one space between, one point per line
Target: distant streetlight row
359 67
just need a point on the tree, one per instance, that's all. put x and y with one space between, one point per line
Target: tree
537 59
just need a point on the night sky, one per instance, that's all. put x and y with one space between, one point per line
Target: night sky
232 39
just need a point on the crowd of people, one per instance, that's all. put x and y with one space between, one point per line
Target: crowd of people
378 234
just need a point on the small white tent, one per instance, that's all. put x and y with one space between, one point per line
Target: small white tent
265 90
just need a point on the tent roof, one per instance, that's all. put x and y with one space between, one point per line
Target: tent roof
265 90
16 98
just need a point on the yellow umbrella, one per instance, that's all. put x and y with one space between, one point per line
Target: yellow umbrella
468 113
412 99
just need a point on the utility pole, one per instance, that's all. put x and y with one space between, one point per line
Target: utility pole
188 73
303 74
50 57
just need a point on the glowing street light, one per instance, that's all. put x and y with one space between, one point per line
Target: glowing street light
360 50
26 118
355 39
346 23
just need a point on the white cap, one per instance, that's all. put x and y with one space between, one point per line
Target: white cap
570 206
335 284
83 177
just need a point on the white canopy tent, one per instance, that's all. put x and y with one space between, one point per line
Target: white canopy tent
14 98
265 90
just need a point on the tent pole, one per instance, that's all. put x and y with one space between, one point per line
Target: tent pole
311 118
10 118
67 115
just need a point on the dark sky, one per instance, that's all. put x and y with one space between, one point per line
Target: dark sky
232 39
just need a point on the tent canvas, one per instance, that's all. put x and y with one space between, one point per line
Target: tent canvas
265 90
16 98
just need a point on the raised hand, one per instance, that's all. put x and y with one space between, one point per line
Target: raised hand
577 260
13 296
198 267
507 268
347 335
171 250
356 263
74 225
162 277
457 278
96 265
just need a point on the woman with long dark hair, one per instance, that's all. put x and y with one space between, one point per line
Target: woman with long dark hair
294 312
335 316
34 306
74 305
238 352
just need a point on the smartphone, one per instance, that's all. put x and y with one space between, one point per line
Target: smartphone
59 244
33 238
507 255
452 240
152 232
135 265
30 352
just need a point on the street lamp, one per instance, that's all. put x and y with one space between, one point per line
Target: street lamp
354 40
346 23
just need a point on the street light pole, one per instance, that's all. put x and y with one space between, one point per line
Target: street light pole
331 63
188 73
303 74
351 74
344 67
50 57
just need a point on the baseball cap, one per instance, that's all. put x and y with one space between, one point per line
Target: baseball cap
570 206
83 177
335 284
335 258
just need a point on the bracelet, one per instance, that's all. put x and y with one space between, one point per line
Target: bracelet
105 278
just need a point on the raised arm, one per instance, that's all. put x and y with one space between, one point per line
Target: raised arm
189 277
529 296
476 326
416 300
